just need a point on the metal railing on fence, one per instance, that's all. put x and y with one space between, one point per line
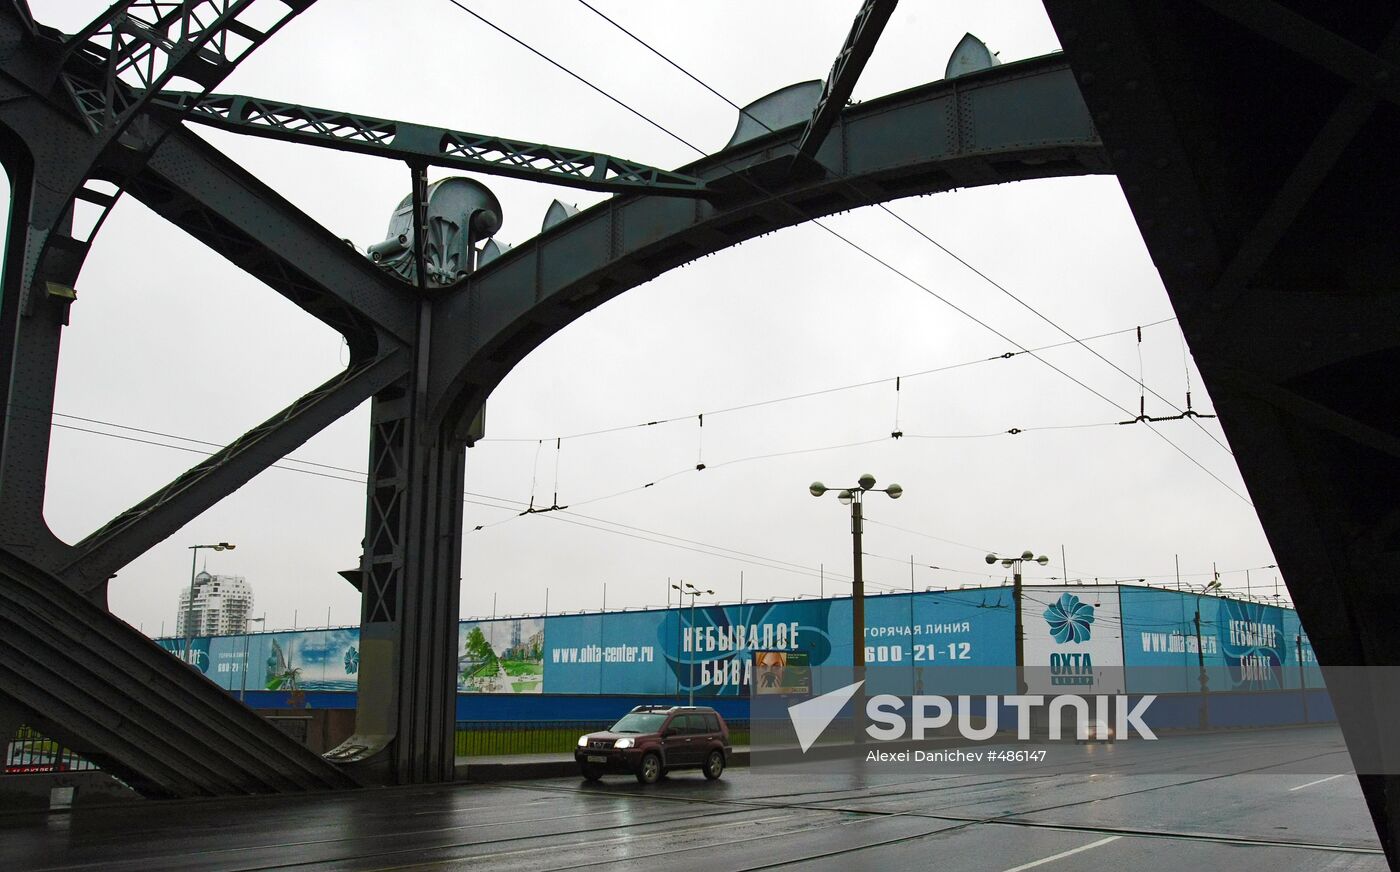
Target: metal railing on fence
30 752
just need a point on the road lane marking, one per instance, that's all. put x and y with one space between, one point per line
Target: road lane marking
1063 854
1318 781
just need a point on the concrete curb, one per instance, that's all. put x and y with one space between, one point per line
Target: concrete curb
487 770
525 767
34 792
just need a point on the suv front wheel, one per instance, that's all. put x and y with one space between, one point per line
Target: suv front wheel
714 765
649 772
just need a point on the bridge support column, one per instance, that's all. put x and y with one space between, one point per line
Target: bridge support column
410 584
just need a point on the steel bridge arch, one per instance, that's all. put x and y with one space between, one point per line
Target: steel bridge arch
1021 121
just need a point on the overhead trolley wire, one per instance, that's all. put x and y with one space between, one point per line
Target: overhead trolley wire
731 553
1073 339
552 62
627 530
162 435
578 519
940 246
700 467
201 451
805 395
528 506
844 239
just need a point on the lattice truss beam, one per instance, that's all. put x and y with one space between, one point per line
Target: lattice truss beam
434 145
111 68
385 529
860 42
138 47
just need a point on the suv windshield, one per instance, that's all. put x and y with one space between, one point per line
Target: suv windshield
639 723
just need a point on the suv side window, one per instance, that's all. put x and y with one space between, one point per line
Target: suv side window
711 724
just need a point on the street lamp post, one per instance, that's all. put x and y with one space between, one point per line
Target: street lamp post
855 497
1302 677
243 689
1015 564
1203 677
189 606
694 593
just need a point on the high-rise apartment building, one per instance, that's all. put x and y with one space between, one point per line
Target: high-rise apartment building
222 604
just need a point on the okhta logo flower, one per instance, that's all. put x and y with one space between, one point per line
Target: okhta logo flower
1069 619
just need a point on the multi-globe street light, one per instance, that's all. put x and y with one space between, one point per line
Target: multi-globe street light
189 606
694 593
1014 563
855 497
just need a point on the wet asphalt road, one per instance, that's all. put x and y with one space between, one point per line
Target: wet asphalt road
1038 819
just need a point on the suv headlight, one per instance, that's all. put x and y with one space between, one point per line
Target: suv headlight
623 743
583 741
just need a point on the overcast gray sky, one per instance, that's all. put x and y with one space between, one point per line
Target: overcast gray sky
168 337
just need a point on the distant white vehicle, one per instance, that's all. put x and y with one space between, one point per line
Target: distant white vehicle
1099 731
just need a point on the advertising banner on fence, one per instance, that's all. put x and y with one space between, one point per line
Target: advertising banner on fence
711 649
782 673
1084 637
503 656
708 649
1074 639
291 661
196 653
1238 645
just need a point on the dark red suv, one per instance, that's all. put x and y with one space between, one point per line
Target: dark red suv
650 741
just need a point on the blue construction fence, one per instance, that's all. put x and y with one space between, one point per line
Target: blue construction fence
1095 638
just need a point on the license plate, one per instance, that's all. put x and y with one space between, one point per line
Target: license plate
597 758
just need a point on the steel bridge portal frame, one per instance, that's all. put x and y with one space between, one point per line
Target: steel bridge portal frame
85 119
427 357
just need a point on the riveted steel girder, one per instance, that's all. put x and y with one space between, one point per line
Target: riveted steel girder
1016 121
148 523
437 146
101 688
194 186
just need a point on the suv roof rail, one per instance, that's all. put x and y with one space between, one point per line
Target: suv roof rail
658 707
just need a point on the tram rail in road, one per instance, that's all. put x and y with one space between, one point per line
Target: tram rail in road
751 820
